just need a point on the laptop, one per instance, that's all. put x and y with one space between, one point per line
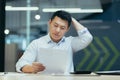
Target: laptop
114 72
56 61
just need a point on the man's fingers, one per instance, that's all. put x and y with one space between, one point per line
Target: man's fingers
37 64
38 67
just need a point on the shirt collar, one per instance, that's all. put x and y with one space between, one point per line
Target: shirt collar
51 41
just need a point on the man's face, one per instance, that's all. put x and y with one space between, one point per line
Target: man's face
57 28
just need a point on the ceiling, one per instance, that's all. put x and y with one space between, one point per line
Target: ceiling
16 20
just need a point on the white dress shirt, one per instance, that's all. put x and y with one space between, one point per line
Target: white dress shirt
71 44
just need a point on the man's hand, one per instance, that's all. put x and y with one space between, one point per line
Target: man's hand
34 68
77 25
38 67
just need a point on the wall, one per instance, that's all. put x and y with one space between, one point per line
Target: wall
10 57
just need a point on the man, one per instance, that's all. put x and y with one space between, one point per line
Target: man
58 25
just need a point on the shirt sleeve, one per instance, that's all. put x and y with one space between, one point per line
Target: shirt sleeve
28 56
83 39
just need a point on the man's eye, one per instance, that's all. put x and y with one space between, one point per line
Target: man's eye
62 27
55 26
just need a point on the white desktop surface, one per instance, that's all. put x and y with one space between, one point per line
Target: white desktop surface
22 76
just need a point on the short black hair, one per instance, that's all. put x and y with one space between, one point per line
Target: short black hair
63 15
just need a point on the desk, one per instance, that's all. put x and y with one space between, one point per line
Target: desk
19 76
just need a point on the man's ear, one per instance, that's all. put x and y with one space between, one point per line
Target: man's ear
68 29
49 21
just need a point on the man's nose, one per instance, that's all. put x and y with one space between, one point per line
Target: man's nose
58 29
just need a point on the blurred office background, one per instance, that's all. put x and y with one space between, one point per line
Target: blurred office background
26 20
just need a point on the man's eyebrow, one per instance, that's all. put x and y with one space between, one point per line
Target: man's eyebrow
57 24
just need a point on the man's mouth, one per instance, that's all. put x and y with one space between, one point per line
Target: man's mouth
56 35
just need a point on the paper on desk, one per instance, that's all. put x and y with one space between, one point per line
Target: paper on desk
55 61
